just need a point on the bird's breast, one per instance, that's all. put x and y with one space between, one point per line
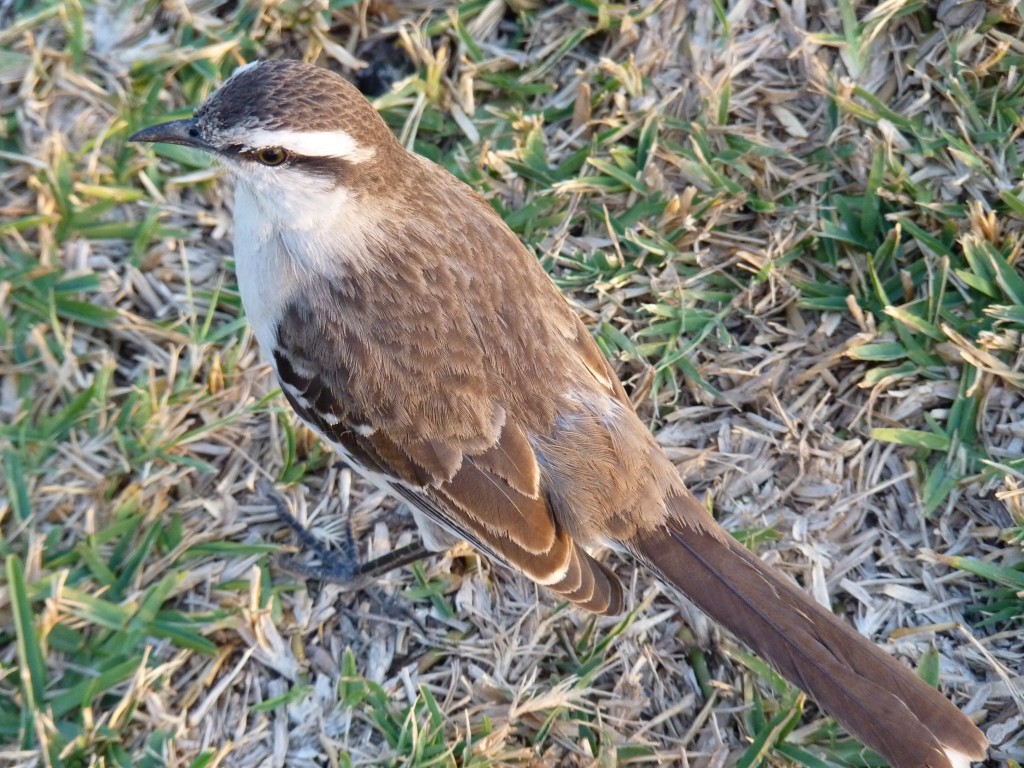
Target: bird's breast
267 278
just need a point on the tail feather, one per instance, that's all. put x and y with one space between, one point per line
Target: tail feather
589 584
877 699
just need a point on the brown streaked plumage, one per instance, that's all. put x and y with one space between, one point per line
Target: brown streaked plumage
412 329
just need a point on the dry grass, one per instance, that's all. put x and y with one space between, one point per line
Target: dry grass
795 226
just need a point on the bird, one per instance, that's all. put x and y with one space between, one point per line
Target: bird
414 331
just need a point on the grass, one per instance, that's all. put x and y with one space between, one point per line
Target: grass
796 229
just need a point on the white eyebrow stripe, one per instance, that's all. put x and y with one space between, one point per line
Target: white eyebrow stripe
313 143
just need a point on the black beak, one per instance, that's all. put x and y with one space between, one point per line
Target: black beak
184 132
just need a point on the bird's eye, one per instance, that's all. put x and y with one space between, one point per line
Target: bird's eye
271 155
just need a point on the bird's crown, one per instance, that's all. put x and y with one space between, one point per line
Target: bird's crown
305 109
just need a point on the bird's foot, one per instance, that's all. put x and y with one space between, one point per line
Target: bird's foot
339 565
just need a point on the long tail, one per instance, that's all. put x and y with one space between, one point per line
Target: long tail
873 696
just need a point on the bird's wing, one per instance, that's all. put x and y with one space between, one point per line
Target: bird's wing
486 488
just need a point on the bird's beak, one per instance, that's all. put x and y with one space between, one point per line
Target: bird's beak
182 132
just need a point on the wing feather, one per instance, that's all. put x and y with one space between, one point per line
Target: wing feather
491 498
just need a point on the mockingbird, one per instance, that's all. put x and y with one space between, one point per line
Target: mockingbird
410 327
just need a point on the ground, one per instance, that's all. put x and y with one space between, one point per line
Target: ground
796 229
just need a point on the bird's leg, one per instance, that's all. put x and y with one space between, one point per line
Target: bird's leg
340 566
396 558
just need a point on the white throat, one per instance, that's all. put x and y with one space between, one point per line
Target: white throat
292 233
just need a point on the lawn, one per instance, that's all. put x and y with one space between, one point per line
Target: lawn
797 229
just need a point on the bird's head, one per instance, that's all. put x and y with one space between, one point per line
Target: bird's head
284 129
